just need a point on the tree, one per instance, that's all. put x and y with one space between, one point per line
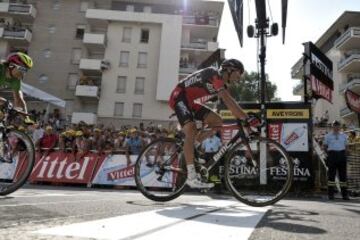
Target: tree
247 90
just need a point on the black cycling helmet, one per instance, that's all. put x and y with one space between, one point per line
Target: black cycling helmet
335 123
232 64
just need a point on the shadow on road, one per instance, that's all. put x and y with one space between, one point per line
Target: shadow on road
283 220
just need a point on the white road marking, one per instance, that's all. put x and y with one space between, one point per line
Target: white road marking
220 219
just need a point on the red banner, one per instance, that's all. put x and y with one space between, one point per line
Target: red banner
320 90
274 130
352 100
64 167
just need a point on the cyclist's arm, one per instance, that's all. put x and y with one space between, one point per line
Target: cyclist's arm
19 100
231 104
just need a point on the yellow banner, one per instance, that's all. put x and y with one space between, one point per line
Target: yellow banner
226 114
287 114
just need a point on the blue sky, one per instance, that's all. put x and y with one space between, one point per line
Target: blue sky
307 21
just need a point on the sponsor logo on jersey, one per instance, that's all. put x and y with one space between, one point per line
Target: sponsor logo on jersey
192 80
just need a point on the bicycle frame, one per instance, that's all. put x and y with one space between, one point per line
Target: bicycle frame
224 149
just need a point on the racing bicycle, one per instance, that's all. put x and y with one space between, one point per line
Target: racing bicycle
17 152
258 171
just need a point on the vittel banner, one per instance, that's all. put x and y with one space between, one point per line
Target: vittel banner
292 136
319 72
63 167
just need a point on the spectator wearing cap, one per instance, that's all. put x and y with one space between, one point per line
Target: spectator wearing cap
81 143
134 144
48 141
97 141
67 140
336 145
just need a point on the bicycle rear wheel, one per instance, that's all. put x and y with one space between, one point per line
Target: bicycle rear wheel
160 170
263 180
17 161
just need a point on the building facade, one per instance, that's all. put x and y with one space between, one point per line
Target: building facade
341 44
116 61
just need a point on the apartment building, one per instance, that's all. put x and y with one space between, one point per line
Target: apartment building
114 61
341 43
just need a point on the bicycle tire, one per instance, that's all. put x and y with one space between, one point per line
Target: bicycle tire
153 193
26 170
284 159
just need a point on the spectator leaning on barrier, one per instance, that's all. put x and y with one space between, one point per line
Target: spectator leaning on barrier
134 144
37 132
67 140
336 146
48 141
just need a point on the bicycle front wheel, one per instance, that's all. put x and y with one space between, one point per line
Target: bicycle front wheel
259 178
16 161
160 170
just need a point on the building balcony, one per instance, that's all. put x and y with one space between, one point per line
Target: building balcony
93 66
351 63
349 39
353 84
23 12
95 41
186 70
16 36
89 118
299 89
346 112
88 92
202 46
207 21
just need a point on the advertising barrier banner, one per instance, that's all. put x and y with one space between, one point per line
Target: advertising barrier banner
63 167
292 136
115 171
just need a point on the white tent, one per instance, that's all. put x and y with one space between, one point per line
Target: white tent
41 95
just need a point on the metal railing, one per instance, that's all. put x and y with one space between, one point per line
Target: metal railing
351 32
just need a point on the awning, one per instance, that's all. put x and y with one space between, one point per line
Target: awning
41 95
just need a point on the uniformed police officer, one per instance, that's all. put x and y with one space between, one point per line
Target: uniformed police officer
336 146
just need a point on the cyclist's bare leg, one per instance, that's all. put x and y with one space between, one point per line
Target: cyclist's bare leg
212 119
190 132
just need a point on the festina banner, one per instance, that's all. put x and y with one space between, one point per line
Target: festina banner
319 70
352 101
319 89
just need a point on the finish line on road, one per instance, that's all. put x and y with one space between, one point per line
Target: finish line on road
219 219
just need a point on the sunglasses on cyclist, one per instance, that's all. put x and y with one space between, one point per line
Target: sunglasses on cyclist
19 68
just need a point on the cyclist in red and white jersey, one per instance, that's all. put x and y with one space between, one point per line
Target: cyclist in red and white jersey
187 101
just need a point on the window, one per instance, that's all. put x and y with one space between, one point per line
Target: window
56 4
80 30
76 55
47 53
124 59
130 8
139 85
73 79
126 34
119 109
142 59
147 9
43 78
84 5
121 84
144 38
52 29
137 110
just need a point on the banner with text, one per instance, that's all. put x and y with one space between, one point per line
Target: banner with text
115 171
64 167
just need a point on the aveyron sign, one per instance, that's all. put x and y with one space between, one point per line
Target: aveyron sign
319 72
